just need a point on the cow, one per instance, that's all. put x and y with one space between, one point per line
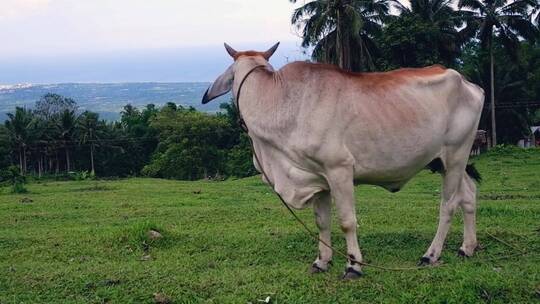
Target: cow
480 142
318 130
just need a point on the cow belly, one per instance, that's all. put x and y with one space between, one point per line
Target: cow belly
393 167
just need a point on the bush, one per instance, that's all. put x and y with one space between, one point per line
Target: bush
11 176
240 159
193 145
81 175
510 150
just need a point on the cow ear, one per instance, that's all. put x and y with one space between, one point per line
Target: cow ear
221 86
270 51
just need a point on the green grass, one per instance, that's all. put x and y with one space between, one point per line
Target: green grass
232 242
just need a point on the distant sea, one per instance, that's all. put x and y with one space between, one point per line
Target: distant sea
108 99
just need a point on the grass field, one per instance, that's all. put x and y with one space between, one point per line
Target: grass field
232 242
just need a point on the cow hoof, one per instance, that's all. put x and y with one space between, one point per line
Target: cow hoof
463 254
316 269
426 261
351 274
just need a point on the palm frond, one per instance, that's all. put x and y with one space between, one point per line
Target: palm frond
522 27
474 5
521 7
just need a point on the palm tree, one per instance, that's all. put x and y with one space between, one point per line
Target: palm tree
341 31
89 133
508 21
65 125
19 126
5 147
44 133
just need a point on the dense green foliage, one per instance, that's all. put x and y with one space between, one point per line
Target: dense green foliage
53 138
5 147
424 34
192 144
516 84
233 242
412 42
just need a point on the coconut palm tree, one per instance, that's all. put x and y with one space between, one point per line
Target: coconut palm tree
5 147
65 126
89 129
19 126
506 20
341 31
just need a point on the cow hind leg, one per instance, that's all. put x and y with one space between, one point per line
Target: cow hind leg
322 204
456 192
468 205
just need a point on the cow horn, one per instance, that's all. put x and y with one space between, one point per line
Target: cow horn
270 51
230 50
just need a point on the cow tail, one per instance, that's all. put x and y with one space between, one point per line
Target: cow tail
437 165
473 173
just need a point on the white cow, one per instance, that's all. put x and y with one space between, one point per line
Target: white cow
317 130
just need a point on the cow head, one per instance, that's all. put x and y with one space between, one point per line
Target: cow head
224 82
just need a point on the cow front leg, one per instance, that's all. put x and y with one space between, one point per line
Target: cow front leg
322 207
342 189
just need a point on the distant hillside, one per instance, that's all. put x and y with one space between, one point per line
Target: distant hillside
109 98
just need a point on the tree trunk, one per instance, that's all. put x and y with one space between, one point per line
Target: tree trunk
40 165
20 161
24 160
339 42
92 159
50 164
362 66
68 166
57 162
346 54
492 88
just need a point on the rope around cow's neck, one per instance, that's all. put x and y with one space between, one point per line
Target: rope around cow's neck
310 232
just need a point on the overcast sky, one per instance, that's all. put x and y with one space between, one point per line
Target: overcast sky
35 32
80 26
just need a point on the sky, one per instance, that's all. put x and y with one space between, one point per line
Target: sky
52 41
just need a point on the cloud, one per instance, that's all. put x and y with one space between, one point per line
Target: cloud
38 27
12 9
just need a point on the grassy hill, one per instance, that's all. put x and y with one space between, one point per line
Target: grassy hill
232 242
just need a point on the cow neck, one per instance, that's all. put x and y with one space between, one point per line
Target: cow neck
241 121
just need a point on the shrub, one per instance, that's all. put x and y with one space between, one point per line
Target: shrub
12 177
